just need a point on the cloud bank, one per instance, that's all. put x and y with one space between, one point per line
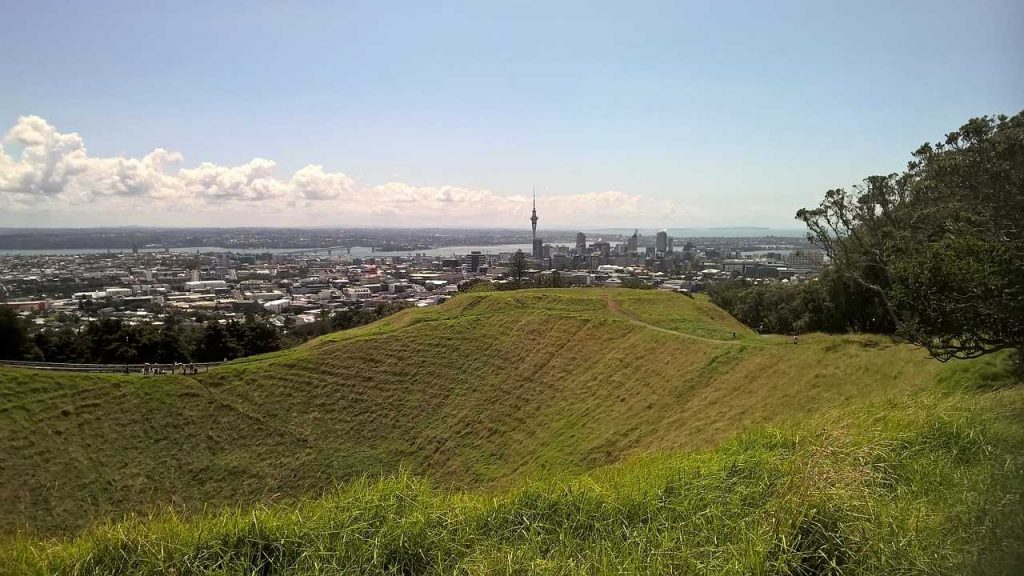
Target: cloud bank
47 173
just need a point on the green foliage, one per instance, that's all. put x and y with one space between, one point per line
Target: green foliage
111 341
637 284
829 303
517 268
550 280
13 335
217 344
62 345
941 244
345 319
476 285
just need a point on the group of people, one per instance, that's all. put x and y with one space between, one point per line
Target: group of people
175 368
186 368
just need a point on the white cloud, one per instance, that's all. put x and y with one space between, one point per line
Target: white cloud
313 183
252 181
54 174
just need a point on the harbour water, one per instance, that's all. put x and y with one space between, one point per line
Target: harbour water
355 251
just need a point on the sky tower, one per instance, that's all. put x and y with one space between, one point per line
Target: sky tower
533 217
538 244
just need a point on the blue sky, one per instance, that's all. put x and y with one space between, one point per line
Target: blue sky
624 113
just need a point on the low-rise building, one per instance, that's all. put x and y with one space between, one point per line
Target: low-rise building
277 306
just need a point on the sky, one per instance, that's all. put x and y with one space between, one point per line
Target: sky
380 113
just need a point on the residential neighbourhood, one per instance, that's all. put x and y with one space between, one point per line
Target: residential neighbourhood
292 290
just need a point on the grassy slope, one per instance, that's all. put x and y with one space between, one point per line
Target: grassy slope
928 484
486 390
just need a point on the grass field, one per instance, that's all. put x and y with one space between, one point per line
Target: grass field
541 431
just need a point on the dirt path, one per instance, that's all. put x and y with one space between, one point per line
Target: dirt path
634 319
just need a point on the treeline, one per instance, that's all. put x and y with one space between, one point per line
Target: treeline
829 303
934 254
554 279
345 319
112 341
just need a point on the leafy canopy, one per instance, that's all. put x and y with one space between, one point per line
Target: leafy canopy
941 245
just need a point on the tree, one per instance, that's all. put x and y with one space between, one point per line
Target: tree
171 345
517 267
829 303
64 344
254 337
217 344
858 231
109 342
13 335
941 245
476 285
636 283
146 345
552 280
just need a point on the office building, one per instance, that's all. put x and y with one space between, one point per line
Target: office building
661 242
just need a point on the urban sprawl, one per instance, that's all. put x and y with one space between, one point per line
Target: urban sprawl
57 292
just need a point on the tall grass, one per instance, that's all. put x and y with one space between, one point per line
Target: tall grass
924 486
583 429
479 392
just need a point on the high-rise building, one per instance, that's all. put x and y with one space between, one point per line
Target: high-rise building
476 260
661 242
581 242
538 248
634 242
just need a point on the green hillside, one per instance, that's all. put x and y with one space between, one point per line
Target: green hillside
508 398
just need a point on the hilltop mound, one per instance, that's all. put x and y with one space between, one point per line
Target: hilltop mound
927 484
486 390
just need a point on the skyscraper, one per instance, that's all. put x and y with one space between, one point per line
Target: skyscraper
661 243
581 242
476 260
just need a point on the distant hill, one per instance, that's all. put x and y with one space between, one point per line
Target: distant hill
716 232
492 390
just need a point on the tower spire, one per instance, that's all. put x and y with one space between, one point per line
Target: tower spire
533 216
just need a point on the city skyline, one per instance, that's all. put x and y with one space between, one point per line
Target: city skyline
666 115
